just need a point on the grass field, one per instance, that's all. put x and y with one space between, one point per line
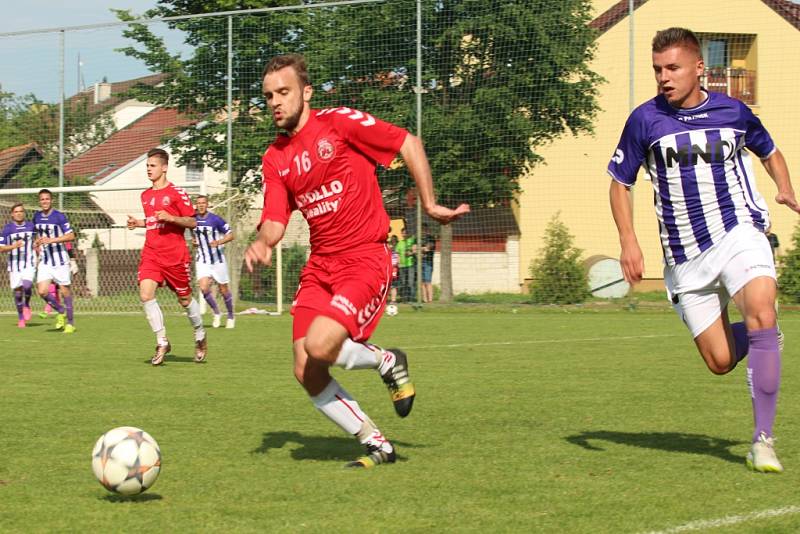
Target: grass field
540 420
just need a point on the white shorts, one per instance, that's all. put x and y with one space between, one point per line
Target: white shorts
57 273
217 271
700 288
17 277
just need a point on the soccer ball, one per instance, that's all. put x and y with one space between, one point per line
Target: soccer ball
391 310
126 460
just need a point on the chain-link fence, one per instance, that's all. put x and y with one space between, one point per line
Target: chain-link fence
520 105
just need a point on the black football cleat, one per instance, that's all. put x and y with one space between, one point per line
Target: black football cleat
399 384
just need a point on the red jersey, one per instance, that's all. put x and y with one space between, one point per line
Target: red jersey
165 242
327 171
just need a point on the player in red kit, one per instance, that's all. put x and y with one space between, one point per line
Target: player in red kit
165 256
324 166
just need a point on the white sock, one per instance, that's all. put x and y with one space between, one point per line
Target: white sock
156 319
193 313
339 407
358 355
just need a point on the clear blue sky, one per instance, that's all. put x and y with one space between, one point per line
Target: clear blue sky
30 63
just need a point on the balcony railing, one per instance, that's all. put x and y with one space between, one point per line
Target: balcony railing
735 82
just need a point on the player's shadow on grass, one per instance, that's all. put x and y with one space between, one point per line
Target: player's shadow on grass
665 441
142 497
324 448
175 359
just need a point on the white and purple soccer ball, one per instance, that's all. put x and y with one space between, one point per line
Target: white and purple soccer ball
391 310
126 460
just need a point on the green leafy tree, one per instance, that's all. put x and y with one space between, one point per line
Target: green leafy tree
558 275
500 80
789 270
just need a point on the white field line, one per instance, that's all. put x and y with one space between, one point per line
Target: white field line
542 341
487 344
729 520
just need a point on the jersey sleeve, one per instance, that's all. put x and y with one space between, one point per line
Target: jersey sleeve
756 137
3 238
630 152
182 203
222 227
63 223
379 140
277 206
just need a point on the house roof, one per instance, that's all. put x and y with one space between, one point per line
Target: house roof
496 221
118 90
127 144
607 20
13 158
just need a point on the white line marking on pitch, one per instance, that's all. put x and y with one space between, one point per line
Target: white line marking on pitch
542 341
730 520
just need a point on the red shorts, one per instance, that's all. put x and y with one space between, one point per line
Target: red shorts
351 289
176 277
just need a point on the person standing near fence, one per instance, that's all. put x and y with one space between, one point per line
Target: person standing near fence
210 236
17 238
712 221
428 245
165 257
325 166
53 231
406 252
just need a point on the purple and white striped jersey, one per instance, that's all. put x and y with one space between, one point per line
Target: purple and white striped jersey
54 224
24 257
702 174
210 227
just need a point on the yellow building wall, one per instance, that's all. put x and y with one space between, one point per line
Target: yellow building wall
573 181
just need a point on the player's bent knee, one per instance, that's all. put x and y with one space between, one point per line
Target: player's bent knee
319 349
719 369
761 319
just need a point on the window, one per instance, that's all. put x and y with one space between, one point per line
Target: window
715 53
194 171
730 61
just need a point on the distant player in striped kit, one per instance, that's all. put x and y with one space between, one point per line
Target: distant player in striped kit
53 231
17 238
165 257
210 236
695 147
325 167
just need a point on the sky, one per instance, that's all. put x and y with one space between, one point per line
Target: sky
31 63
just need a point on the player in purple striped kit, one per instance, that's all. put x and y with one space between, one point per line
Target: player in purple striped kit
210 236
53 231
17 238
695 147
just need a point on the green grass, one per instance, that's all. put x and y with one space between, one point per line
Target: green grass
543 420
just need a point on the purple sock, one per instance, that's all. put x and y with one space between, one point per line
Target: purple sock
68 306
53 303
740 340
18 300
764 378
229 303
27 290
211 302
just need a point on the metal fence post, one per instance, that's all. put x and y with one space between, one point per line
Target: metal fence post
61 121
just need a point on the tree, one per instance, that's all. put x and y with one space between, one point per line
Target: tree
557 274
789 270
501 79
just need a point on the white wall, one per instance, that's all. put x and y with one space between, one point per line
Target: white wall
481 272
